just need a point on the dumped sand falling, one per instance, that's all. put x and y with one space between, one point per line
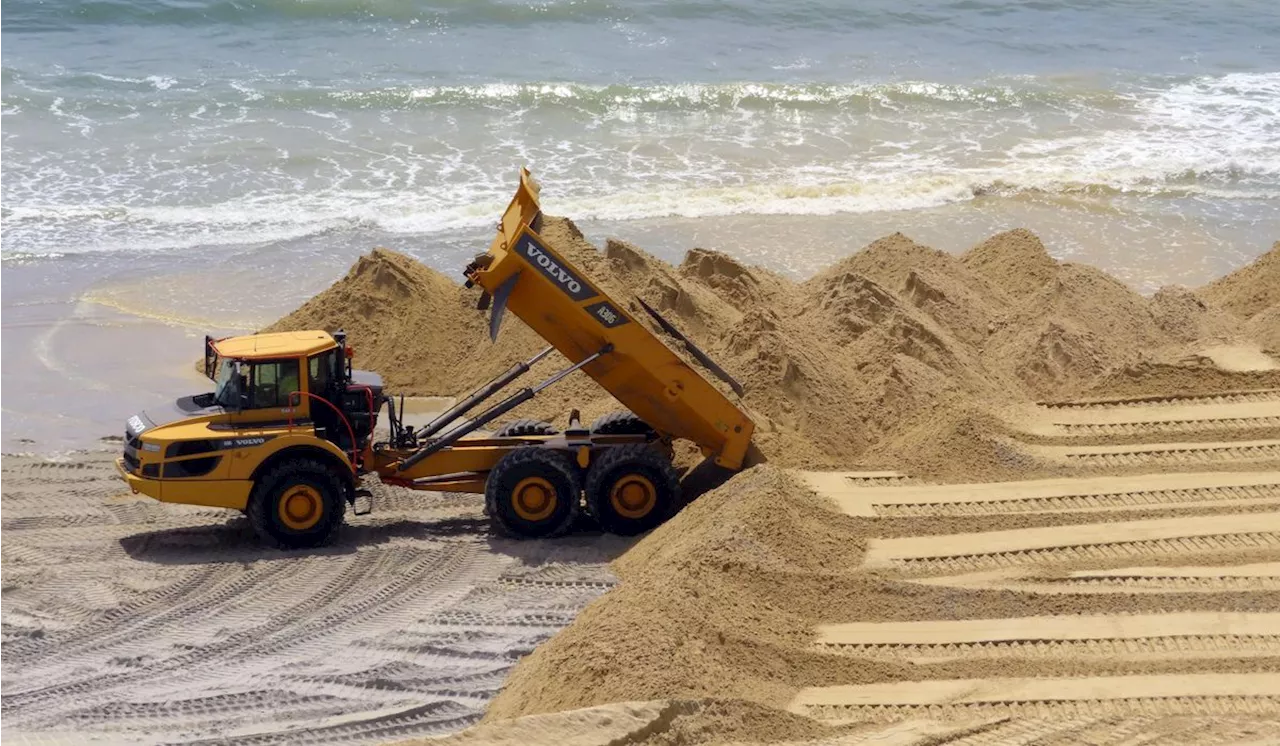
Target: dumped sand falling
1004 499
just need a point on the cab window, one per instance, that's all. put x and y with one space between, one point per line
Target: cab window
321 370
272 383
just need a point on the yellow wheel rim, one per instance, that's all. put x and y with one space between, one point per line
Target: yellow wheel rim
300 507
633 496
534 498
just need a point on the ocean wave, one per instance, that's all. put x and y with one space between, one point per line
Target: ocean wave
293 217
28 15
716 96
92 88
1212 138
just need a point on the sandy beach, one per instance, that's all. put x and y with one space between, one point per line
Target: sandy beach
998 283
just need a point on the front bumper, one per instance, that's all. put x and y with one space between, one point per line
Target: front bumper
148 487
222 493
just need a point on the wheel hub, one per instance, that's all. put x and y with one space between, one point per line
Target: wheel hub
534 498
633 496
301 507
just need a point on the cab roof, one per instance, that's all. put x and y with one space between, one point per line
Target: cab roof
278 344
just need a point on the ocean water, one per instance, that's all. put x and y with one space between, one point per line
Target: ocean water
176 166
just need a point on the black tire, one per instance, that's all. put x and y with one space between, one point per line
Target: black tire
521 428
528 517
308 483
627 468
620 423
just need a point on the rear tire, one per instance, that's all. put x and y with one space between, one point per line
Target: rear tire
533 493
632 489
521 428
298 504
620 423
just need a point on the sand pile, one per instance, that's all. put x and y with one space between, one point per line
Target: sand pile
652 723
1249 290
1264 327
897 341
1182 314
1067 323
1252 294
1225 327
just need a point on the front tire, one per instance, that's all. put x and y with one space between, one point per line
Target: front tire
532 493
298 504
632 489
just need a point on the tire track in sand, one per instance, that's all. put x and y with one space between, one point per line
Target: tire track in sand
1087 696
1137 418
1256 396
1131 637
1263 576
1164 454
955 553
1181 708
184 628
1141 492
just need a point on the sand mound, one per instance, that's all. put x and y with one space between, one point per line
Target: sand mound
1075 327
960 444
1252 293
1070 324
1194 376
1182 314
654 723
1015 262
937 283
1264 328
1249 290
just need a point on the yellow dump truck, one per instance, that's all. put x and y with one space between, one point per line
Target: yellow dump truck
289 431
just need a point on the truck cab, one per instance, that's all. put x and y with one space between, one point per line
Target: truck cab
278 398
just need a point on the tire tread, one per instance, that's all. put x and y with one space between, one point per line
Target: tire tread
621 422
519 459
658 466
526 426
259 518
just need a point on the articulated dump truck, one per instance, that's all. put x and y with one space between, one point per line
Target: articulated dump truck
292 428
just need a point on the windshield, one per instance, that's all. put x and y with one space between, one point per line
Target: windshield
229 384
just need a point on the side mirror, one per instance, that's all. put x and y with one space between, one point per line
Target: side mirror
210 358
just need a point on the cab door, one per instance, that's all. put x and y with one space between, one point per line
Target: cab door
275 397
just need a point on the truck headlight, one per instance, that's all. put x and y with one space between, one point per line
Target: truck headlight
152 447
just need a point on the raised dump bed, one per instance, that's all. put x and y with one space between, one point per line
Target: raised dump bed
524 273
